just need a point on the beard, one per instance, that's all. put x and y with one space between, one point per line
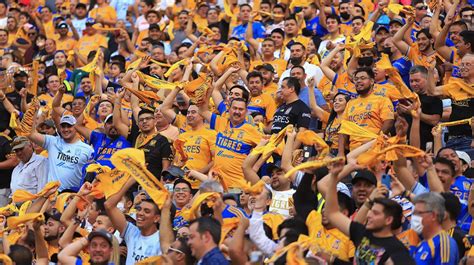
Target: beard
364 91
296 60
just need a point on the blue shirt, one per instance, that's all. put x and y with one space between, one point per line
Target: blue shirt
440 250
403 65
105 147
213 257
258 31
315 26
304 96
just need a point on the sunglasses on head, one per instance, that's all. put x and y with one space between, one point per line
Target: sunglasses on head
422 7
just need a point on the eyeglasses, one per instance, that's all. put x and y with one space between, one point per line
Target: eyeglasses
170 249
422 7
362 78
421 212
145 119
31 33
181 190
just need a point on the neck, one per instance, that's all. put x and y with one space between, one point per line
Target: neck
150 132
469 80
292 99
149 230
28 159
448 224
386 232
162 127
196 127
72 140
283 187
396 55
430 233
268 57
333 35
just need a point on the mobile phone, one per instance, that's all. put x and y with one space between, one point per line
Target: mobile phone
387 181
110 90
470 239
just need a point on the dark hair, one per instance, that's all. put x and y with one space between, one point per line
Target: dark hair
238 100
333 114
359 6
149 2
245 92
244 5
298 43
294 83
452 205
182 180
419 69
335 17
460 23
184 247
118 58
468 37
279 6
291 17
186 44
358 17
446 162
21 255
426 32
464 9
367 70
208 224
80 98
268 39
278 31
266 2
155 206
346 203
120 65
296 67
293 223
393 209
254 74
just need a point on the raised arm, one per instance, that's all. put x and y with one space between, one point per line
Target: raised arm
432 89
189 29
204 107
338 219
328 72
167 106
81 129
440 41
41 247
249 173
286 156
398 37
249 34
68 255
166 228
121 127
58 110
114 213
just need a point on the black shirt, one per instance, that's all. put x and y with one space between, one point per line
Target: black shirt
157 150
376 250
15 99
295 113
461 240
461 109
5 152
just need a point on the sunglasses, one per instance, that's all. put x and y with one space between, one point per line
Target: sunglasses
170 249
422 7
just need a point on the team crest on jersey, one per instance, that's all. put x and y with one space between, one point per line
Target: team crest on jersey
369 106
336 244
467 185
119 144
198 140
352 108
257 101
152 142
240 135
288 111
424 255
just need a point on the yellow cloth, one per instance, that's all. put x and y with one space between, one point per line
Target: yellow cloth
352 129
105 12
256 188
147 97
132 161
61 200
175 66
156 83
197 89
6 260
112 181
25 126
8 210
275 140
391 153
134 64
142 54
309 137
458 90
293 250
151 261
454 123
24 207
190 214
15 221
313 165
23 195
88 43
34 87
273 220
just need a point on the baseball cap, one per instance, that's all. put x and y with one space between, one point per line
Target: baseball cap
81 5
19 142
90 21
154 26
398 20
364 174
49 123
110 116
173 171
380 27
55 215
274 166
464 157
266 66
101 233
20 74
62 25
68 119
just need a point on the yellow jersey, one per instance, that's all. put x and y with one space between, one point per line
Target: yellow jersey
278 64
233 145
48 98
65 45
331 131
385 89
331 241
90 43
415 55
368 112
263 104
198 146
106 12
341 82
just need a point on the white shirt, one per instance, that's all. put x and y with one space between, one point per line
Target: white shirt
121 7
140 247
311 70
30 176
141 23
79 24
3 23
280 201
323 51
257 234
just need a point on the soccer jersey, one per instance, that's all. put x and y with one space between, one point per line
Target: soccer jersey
455 59
263 104
410 239
415 55
224 112
368 112
385 89
460 189
105 147
233 145
439 250
198 146
331 132
341 82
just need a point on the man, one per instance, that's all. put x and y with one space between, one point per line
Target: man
7 162
64 42
104 144
313 24
299 73
267 49
268 72
99 245
346 17
260 102
53 231
157 148
461 47
180 34
3 14
91 40
400 62
363 184
204 238
236 91
374 113
293 110
30 173
257 27
437 246
67 154
281 190
431 107
4 38
336 78
298 57
334 36
453 209
46 16
80 18
375 242
104 14
53 85
235 139
142 239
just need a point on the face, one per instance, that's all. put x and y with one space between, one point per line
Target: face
99 250
50 46
268 47
86 84
158 54
11 23
110 129
255 86
193 117
182 194
418 82
332 24
308 12
267 76
451 155
394 28
244 198
114 70
196 241
52 229
467 66
237 111
296 51
424 43
336 62
212 16
339 103
146 122
291 27
183 19
381 36
81 12
60 59
425 22
105 108
422 211
102 222
174 252
376 219
259 119
467 15
146 215
144 7
363 83
279 15
156 70
462 47
278 179
67 131
24 154
152 18
361 191
286 91
234 93
3 36
278 39
445 175
53 83
154 33
298 73
421 10
46 14
357 25
245 13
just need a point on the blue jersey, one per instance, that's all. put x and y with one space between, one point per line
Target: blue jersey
440 250
403 65
315 26
258 31
105 147
461 188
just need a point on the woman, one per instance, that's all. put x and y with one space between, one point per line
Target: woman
332 119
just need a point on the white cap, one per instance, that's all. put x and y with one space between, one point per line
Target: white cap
68 119
108 117
464 157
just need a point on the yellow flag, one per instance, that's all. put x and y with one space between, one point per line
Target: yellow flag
34 86
26 124
141 54
352 129
23 195
132 161
457 89
313 165
256 188
175 66
275 140
144 96
134 64
24 207
15 221
8 210
454 123
190 214
112 181
309 137
156 83
197 88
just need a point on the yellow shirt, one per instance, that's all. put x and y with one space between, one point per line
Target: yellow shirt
387 90
90 43
331 132
141 35
49 99
331 241
342 83
65 45
368 112
263 104
49 30
417 57
198 147
278 64
233 145
106 12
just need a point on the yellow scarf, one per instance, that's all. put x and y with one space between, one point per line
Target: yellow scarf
309 137
190 214
273 143
313 165
15 221
23 195
454 123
